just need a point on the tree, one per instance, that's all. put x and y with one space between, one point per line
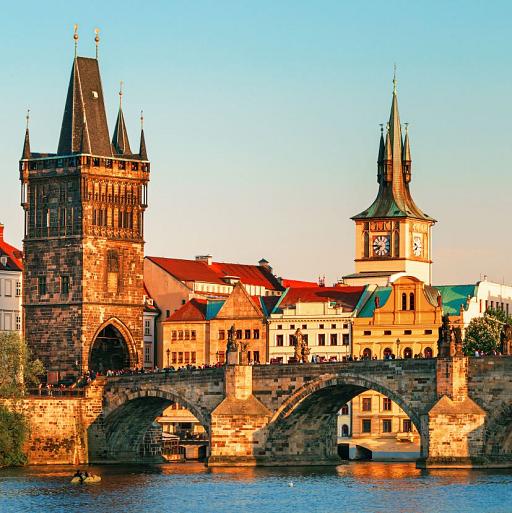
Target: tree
13 432
18 370
484 333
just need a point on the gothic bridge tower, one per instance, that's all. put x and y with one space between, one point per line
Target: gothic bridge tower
393 235
83 244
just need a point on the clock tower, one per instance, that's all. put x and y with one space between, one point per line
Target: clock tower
393 235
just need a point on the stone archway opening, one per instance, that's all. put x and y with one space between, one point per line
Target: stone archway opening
109 351
136 431
307 432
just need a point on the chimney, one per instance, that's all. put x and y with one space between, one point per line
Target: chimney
207 259
265 264
1 232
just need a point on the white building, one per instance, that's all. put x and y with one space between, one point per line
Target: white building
324 317
11 268
151 312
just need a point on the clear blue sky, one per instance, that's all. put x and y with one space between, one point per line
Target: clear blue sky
262 118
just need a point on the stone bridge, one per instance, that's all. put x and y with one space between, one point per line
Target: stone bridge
286 414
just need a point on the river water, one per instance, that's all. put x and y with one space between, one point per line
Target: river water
190 487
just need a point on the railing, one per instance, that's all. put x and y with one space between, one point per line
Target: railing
55 392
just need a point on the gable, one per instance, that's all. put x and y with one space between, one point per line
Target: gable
239 305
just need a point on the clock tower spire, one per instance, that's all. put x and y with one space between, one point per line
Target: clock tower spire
392 235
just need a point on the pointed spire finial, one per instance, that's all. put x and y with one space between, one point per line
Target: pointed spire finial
406 128
27 117
121 94
394 79
75 37
97 40
25 154
381 128
142 120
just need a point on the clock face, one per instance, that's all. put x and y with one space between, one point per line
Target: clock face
417 246
381 245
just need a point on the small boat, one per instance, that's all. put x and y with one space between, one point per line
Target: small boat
91 478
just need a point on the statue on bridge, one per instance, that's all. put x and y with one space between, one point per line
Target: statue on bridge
301 348
236 350
450 340
506 340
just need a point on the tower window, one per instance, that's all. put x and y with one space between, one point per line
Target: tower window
64 285
41 285
404 301
411 301
366 244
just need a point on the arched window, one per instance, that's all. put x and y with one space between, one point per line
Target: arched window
428 352
366 244
344 409
387 353
404 301
367 354
344 430
396 238
407 352
411 301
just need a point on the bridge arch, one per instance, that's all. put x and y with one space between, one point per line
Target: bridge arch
127 416
498 433
304 427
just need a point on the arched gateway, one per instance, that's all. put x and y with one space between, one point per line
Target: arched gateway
112 348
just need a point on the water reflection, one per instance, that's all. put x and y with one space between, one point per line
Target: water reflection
362 487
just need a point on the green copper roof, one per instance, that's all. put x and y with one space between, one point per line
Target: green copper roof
383 294
454 296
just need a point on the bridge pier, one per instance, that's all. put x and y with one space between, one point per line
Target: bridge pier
454 429
238 423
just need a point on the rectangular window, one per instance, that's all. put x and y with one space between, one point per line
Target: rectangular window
193 335
222 334
366 426
291 340
407 332
174 357
256 334
386 404
247 334
367 333
279 340
187 357
334 339
345 326
41 285
221 357
386 425
304 326
333 326
147 327
346 339
279 326
367 404
187 335
239 334
292 326
8 288
180 357
387 332
64 285
193 357
428 332
18 289
321 339
147 354
174 335
180 335
256 357
407 425
18 323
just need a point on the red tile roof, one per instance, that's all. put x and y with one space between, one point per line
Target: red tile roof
194 270
193 310
14 256
149 306
345 296
298 283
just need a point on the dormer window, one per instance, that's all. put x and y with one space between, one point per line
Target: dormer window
94 95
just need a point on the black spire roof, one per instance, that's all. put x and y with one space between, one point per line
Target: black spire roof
120 142
85 102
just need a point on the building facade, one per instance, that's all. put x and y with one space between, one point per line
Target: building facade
151 313
11 269
83 243
172 282
324 317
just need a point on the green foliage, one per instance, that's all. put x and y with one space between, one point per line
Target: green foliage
17 368
484 333
13 432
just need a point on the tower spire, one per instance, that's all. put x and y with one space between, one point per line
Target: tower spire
143 154
120 138
26 144
97 40
75 37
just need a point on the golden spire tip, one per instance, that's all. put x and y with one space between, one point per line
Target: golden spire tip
75 37
97 40
142 120
27 117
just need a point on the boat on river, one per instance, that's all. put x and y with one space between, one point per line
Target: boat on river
91 478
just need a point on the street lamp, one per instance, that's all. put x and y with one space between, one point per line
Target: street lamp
397 347
168 357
